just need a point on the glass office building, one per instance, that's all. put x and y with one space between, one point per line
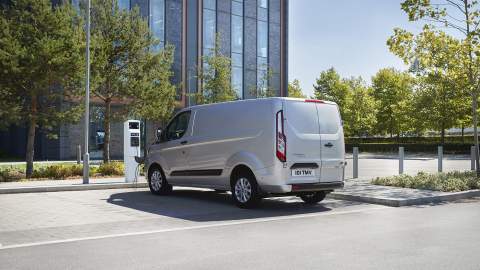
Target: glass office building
253 33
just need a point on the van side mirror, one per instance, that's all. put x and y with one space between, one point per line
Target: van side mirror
158 134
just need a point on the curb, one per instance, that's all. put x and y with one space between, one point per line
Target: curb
77 187
407 202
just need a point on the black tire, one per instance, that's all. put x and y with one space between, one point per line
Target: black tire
157 182
245 191
313 198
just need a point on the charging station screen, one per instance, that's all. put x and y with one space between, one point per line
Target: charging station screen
134 125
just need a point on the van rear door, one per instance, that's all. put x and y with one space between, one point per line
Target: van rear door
314 139
303 139
332 143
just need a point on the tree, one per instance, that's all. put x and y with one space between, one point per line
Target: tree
456 16
294 89
360 108
329 86
393 91
126 72
41 61
215 74
263 88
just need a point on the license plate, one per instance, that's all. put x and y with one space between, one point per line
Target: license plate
303 172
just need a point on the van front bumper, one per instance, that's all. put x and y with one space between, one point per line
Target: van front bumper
300 188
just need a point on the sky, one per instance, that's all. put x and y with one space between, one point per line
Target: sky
349 35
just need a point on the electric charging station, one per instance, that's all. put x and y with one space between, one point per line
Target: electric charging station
131 148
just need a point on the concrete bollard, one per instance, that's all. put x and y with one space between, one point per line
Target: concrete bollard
472 158
79 154
401 157
440 159
355 162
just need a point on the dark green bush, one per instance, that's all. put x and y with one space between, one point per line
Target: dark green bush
448 182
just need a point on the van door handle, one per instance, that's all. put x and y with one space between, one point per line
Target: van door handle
328 145
183 142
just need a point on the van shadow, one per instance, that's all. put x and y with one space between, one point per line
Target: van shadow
206 205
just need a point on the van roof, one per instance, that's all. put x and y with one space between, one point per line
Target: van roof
263 99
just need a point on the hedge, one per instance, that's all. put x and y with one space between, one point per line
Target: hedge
448 148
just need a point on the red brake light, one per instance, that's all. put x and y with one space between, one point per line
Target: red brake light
281 139
314 100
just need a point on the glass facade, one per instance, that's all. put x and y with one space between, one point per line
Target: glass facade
237 47
209 26
262 44
124 4
157 21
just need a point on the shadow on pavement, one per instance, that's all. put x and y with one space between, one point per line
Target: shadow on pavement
205 205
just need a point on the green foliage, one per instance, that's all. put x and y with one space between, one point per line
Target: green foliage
125 68
360 109
447 182
215 75
329 86
354 98
446 51
394 92
294 89
41 64
111 168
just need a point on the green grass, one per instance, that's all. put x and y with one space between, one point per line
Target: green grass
447 182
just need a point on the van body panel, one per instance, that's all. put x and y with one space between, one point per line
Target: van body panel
223 136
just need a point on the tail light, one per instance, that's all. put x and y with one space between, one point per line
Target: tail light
281 139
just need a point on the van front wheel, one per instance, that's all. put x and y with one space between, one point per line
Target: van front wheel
314 197
245 191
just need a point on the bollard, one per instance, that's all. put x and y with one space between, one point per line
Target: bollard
401 156
355 162
440 159
79 154
472 157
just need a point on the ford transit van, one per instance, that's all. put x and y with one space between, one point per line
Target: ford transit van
254 148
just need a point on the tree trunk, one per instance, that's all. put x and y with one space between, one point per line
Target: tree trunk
442 134
31 138
463 133
106 126
475 133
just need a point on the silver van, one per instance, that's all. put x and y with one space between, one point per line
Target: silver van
254 148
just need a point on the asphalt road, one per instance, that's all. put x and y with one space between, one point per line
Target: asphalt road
131 229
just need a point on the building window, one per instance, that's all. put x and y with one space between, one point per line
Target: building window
262 44
237 47
124 4
157 22
209 26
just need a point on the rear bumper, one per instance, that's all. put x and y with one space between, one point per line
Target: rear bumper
317 186
300 188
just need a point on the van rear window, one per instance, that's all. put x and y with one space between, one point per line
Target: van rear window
329 118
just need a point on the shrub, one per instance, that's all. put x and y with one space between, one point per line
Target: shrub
58 171
448 182
11 174
111 168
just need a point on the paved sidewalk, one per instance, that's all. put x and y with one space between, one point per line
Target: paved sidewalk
69 185
360 190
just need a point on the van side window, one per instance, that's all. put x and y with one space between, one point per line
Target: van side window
177 127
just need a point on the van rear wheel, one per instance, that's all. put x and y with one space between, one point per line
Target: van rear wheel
314 197
245 191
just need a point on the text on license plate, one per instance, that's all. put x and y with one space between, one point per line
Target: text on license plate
303 172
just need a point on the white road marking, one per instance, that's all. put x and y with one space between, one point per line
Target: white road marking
186 228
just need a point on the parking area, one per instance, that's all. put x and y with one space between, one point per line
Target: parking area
42 217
